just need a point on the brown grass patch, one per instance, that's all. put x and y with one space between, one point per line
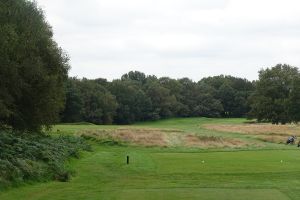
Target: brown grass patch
213 142
142 137
273 138
160 137
264 132
257 129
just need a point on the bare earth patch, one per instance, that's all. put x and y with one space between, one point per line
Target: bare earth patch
265 132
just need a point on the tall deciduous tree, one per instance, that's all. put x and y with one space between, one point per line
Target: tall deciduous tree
74 102
232 92
277 95
33 68
135 76
294 100
99 105
133 104
164 104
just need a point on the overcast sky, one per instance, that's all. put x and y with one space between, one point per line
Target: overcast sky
176 38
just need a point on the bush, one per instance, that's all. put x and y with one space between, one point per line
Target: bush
36 157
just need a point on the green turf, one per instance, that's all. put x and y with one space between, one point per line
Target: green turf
174 173
204 194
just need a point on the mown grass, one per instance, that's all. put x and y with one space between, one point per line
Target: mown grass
269 172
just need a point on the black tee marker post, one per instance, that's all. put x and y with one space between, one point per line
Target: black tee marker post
127 160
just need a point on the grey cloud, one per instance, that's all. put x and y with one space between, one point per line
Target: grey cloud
193 38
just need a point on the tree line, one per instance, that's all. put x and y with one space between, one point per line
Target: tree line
138 97
274 97
36 92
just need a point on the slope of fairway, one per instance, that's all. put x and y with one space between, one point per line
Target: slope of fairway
174 173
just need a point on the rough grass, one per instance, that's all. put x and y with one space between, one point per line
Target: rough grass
142 137
257 129
213 142
264 132
154 137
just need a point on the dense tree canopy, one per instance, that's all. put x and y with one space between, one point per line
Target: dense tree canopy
138 97
233 94
32 67
133 103
277 95
88 100
34 85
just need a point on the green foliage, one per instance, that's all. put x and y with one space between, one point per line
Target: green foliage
164 104
232 92
137 97
32 67
134 76
74 102
88 100
36 157
294 100
133 104
99 104
277 95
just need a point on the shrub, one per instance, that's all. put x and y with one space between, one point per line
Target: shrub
36 157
